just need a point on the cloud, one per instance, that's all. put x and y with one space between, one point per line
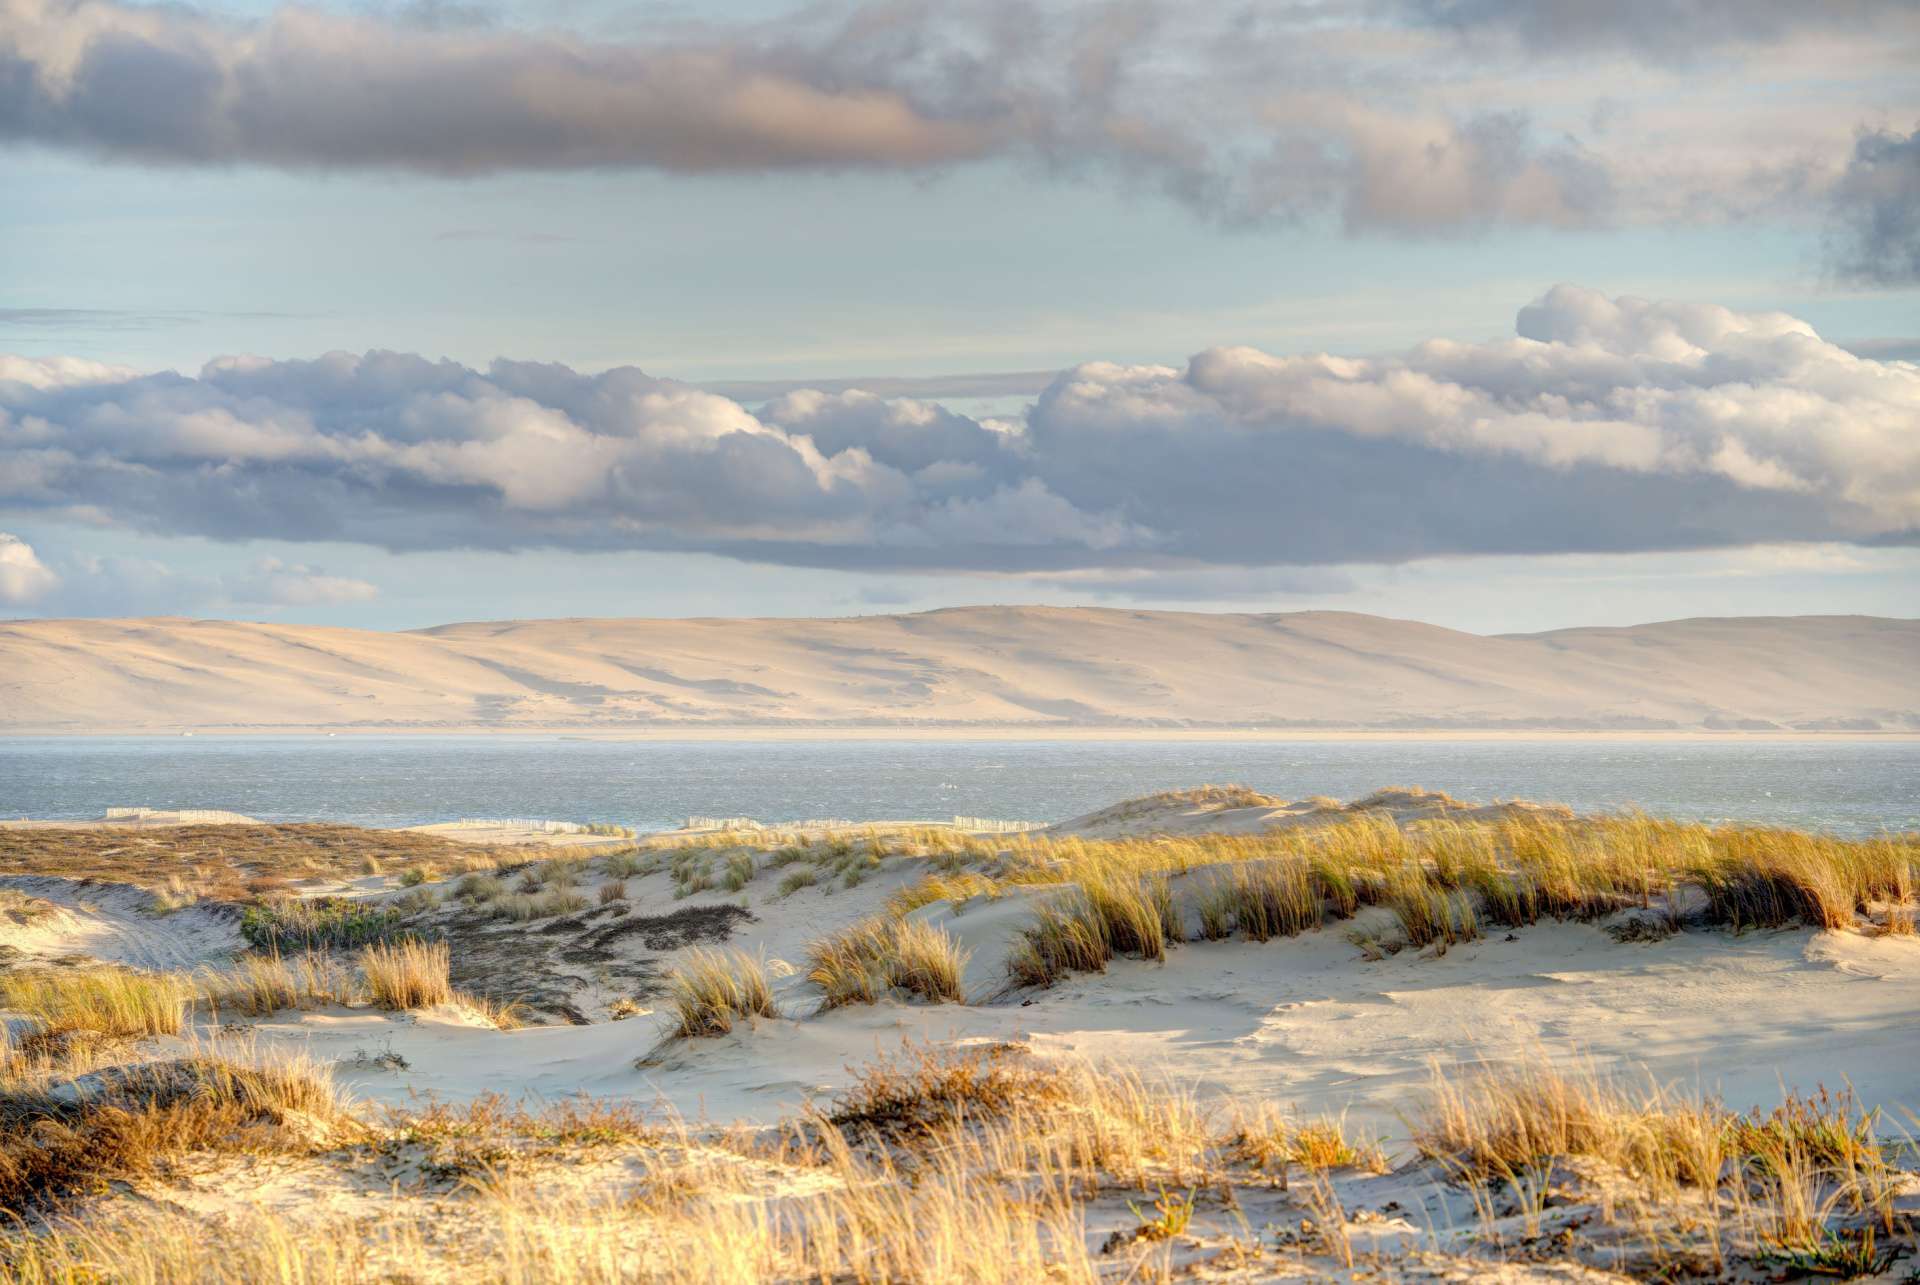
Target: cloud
1405 116
87 584
272 582
1013 383
1658 29
57 372
1878 200
1604 425
1885 349
23 577
310 89
1205 584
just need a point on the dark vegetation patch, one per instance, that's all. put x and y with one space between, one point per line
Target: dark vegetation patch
545 968
690 926
321 923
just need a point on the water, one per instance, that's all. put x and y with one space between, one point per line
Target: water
1845 786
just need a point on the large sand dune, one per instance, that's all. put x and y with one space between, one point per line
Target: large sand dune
985 667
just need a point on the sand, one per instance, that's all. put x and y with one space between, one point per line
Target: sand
1312 1024
1027 670
1309 1021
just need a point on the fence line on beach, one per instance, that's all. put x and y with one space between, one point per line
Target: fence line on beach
523 823
183 815
979 825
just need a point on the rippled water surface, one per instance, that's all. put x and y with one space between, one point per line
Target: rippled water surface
1849 786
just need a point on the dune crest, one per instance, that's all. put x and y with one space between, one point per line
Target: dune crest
960 669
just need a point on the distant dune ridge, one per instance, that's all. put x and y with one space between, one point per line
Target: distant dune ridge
962 668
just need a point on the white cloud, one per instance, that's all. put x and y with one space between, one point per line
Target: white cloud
56 372
23 577
1604 425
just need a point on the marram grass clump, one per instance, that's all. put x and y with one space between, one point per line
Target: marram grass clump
875 956
1443 881
712 990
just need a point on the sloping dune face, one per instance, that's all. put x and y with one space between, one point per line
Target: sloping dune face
968 667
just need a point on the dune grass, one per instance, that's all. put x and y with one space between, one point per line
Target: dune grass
1444 882
208 1101
984 1164
407 974
866 960
712 990
1808 1185
119 1004
109 1002
256 985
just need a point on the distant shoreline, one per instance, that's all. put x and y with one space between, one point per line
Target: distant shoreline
979 733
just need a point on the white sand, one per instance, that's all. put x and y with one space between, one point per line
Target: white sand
116 924
947 672
1305 1021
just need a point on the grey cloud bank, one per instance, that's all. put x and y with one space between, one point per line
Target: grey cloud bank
1411 117
1878 200
1605 425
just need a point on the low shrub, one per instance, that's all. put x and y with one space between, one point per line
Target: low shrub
318 923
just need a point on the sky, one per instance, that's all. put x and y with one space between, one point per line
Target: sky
1506 316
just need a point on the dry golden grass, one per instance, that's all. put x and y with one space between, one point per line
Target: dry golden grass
258 984
710 990
407 974
231 862
864 961
1444 880
109 1002
1263 899
956 887
920 1089
982 1165
1068 936
1496 1125
1268 1140
136 1120
119 1004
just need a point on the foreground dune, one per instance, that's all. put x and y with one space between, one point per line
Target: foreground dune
1012 667
1247 1087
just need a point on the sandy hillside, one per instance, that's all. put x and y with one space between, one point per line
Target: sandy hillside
972 667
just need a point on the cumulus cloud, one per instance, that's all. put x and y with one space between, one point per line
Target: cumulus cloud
1603 425
1402 116
23 577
